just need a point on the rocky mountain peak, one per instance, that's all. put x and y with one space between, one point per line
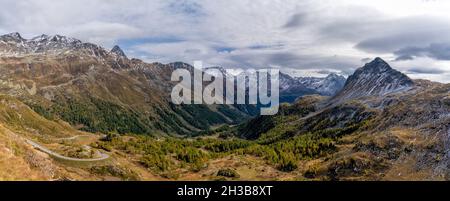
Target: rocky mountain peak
118 51
56 39
42 37
377 65
335 77
327 86
15 36
64 39
376 78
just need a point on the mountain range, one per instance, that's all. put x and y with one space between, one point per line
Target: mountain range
386 127
77 82
292 88
74 111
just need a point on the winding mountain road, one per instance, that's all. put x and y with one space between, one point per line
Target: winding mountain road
59 156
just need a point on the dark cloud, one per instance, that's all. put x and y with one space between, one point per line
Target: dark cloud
404 58
352 24
366 60
225 49
186 7
261 47
434 50
393 42
193 51
344 30
297 20
285 59
384 36
325 72
425 71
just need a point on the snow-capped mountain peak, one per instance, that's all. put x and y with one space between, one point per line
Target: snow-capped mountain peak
327 86
43 39
11 37
14 45
40 38
333 76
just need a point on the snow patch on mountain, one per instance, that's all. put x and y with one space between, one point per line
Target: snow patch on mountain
327 86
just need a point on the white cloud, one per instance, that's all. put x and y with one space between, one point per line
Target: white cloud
103 33
310 34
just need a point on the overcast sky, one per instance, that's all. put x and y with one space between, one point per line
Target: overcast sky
303 37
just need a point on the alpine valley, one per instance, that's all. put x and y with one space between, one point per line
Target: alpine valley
71 110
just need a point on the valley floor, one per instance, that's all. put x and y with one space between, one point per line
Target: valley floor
129 161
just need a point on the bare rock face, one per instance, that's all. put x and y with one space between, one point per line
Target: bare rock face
376 78
118 51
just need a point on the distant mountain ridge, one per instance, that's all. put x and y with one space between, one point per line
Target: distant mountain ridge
292 88
327 86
